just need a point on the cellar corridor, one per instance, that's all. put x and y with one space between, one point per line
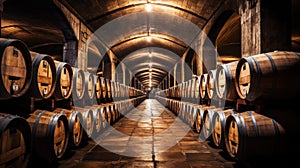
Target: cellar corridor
148 136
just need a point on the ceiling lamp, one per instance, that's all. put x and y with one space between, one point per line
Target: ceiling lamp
148 7
149 38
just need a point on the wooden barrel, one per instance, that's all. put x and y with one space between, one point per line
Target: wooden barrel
64 75
113 89
199 117
108 90
75 128
98 90
16 68
117 91
272 75
208 124
43 76
102 111
78 84
97 119
225 81
88 121
15 141
250 135
103 89
211 85
108 114
202 89
219 120
112 112
89 88
194 85
50 135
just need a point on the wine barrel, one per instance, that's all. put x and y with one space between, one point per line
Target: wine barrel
97 119
117 91
89 88
88 121
199 117
211 85
16 68
103 114
78 84
108 114
225 81
15 141
98 90
75 128
64 75
108 90
103 89
43 76
272 75
113 89
249 135
219 120
202 89
196 86
112 110
208 124
50 134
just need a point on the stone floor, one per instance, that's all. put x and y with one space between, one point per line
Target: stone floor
148 136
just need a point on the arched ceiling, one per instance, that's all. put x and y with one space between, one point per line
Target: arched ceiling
172 24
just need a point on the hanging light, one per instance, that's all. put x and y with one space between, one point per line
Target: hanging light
148 7
149 38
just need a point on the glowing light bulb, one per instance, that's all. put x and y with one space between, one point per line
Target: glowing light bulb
149 39
148 7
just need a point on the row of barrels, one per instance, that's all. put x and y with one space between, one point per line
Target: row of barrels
266 76
50 135
30 74
244 136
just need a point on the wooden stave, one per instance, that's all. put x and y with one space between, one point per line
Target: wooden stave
57 91
20 45
246 151
40 141
34 88
21 125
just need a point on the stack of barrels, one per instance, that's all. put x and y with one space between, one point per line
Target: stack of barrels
48 132
266 84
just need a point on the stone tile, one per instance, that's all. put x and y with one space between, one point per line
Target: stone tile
101 156
199 156
136 164
206 164
172 164
167 156
95 164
